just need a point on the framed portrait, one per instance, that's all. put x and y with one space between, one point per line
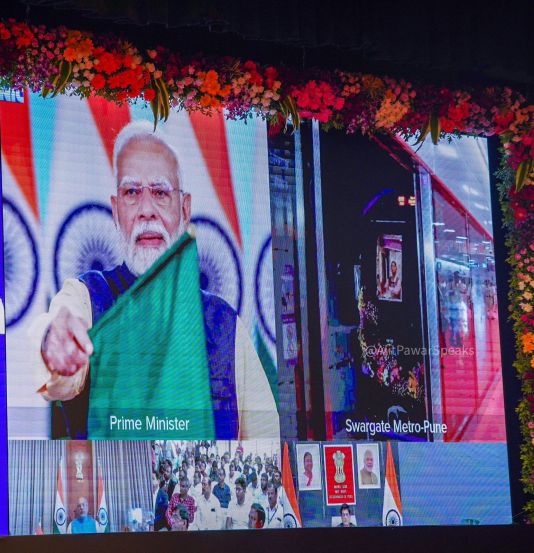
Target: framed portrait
368 463
389 267
309 467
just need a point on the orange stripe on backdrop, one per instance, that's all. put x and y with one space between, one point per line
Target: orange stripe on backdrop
287 482
60 477
17 148
109 120
391 478
211 137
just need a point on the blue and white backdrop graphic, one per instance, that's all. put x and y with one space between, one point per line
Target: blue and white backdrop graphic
74 231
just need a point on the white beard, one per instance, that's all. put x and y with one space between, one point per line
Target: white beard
139 258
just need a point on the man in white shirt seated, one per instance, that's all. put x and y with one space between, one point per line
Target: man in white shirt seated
239 508
275 512
254 491
263 500
233 474
277 481
209 514
196 489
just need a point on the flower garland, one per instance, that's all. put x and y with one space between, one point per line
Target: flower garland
518 219
61 60
55 61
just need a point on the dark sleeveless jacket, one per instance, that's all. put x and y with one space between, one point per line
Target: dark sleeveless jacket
219 323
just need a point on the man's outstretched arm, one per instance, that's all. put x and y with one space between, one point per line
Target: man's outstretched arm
59 344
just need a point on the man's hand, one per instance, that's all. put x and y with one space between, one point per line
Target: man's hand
66 346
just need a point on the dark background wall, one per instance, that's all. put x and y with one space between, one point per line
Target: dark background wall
448 42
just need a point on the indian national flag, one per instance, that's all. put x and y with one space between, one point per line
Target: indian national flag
102 513
392 510
60 515
289 503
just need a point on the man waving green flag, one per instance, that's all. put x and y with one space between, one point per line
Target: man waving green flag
139 350
149 370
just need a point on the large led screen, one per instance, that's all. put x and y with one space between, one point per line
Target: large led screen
209 327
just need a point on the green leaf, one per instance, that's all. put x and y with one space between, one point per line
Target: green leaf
163 98
284 112
62 78
524 169
435 128
290 108
295 116
154 104
424 132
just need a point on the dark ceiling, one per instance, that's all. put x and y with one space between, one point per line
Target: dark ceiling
441 42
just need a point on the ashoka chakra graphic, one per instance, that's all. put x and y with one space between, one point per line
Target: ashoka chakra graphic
87 240
392 518
21 263
102 516
290 521
264 288
220 269
60 517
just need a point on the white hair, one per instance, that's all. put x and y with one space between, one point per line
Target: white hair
139 260
144 130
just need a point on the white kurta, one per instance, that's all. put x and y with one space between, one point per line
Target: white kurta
258 416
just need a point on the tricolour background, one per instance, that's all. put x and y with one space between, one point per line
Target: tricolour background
57 180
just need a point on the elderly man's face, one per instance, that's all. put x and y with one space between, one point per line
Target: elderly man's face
368 461
206 486
82 507
149 209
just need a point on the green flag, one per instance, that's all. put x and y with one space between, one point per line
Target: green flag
149 371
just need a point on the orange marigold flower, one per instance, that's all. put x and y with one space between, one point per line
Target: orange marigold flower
69 54
205 100
85 48
528 342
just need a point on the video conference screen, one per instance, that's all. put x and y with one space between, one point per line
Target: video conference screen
208 327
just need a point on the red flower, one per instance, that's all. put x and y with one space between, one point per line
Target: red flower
4 32
150 94
520 214
98 82
108 63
